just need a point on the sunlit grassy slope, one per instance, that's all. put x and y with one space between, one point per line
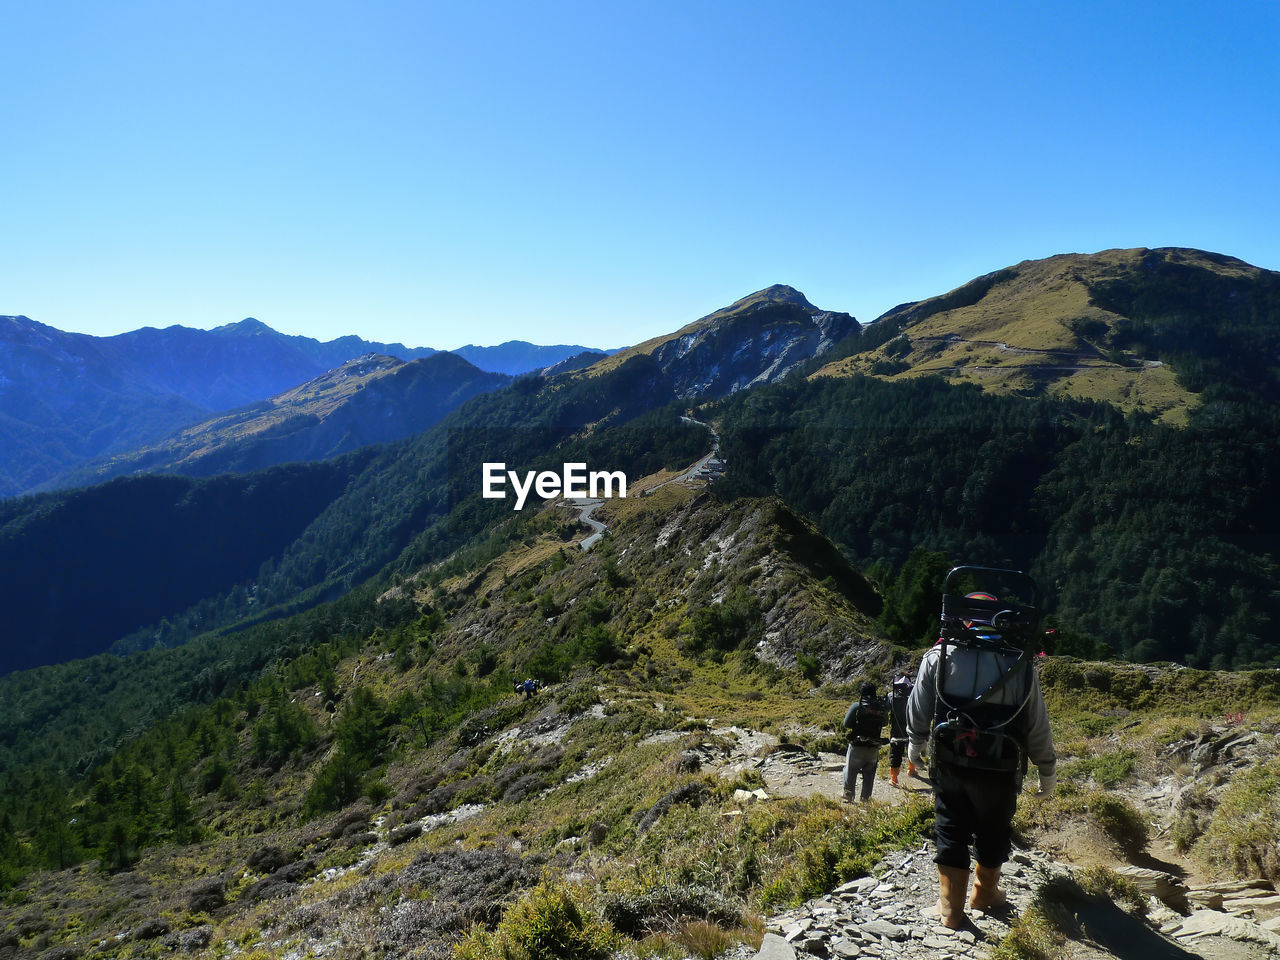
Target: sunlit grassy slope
1046 326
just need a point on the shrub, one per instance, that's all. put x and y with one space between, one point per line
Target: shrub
551 923
1118 820
339 782
1109 885
1107 769
829 848
1241 836
704 940
285 729
1033 936
659 907
725 626
1114 816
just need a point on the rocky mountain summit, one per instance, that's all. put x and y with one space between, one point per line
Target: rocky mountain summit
757 339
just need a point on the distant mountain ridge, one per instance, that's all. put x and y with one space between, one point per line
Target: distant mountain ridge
372 399
520 356
68 398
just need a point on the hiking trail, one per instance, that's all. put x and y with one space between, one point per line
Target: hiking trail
889 914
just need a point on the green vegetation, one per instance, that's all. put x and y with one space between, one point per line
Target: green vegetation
1112 815
1095 905
1106 769
1085 499
548 924
1033 936
77 558
1241 835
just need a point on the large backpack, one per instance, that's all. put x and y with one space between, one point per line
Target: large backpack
868 722
899 696
980 734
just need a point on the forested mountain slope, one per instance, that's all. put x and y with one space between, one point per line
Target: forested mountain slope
1158 541
340 766
1144 330
380 789
81 569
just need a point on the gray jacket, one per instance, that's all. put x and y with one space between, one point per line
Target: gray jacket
971 671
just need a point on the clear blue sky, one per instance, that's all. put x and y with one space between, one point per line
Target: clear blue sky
602 173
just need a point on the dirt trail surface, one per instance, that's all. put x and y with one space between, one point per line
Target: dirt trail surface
891 913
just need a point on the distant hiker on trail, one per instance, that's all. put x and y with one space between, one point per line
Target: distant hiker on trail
863 724
977 701
529 688
899 694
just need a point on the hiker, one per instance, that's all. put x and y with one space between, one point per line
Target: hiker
899 694
863 723
977 701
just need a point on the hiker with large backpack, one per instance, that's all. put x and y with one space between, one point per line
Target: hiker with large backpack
863 724
899 694
977 704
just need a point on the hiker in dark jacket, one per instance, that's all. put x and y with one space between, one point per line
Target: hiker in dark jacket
973 803
899 694
863 724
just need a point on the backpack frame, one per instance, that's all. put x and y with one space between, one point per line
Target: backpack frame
962 735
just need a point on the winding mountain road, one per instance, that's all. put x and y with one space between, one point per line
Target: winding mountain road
702 469
585 506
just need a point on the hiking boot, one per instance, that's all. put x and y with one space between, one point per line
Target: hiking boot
986 889
893 776
953 883
848 796
911 769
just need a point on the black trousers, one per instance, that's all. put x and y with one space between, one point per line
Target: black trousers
973 806
896 750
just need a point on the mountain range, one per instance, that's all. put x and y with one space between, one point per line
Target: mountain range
67 399
304 739
373 509
372 399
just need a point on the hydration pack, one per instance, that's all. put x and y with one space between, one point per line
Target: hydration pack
962 741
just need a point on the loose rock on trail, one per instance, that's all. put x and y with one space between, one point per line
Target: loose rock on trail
891 913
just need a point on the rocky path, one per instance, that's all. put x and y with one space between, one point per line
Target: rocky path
890 914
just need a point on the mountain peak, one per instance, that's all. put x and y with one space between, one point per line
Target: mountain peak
782 293
246 327
778 293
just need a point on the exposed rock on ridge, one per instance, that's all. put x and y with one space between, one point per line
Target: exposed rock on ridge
757 339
